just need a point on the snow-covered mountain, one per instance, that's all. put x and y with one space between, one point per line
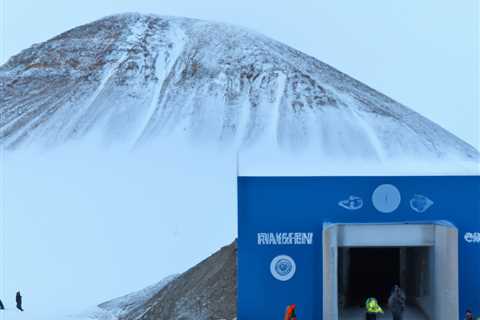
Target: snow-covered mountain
136 78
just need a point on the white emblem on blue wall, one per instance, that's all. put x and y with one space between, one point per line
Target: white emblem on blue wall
352 203
386 198
420 203
472 237
283 268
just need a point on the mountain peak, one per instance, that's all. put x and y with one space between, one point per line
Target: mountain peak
134 78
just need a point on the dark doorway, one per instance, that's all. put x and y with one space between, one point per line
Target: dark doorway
369 272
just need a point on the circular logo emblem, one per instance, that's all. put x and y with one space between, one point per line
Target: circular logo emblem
386 198
283 268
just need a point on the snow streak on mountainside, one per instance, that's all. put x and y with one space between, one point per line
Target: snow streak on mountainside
120 307
136 78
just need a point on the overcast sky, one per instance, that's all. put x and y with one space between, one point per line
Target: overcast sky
424 54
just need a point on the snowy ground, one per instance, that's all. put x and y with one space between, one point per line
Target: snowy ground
84 227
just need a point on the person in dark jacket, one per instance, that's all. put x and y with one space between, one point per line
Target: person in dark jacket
2 307
469 315
18 299
396 303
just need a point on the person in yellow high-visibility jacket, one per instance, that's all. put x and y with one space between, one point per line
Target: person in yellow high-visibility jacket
373 308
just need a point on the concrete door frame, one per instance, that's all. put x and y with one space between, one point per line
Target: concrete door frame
443 238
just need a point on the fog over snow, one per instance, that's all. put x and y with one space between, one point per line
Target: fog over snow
83 227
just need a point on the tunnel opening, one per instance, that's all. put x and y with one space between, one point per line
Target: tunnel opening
365 272
362 260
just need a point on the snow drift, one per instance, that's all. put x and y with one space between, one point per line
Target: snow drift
122 306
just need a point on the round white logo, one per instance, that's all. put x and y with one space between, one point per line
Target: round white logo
283 268
386 198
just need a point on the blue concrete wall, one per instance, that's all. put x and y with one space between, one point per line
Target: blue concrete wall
304 204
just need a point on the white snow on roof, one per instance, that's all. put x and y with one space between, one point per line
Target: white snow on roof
280 164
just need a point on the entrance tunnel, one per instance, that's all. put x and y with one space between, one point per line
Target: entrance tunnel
367 260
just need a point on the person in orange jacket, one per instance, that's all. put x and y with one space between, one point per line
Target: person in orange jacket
290 313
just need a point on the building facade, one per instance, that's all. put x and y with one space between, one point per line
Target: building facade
326 244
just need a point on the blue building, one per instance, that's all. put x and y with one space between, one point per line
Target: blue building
328 243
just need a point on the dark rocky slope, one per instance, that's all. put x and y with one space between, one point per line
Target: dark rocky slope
205 292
